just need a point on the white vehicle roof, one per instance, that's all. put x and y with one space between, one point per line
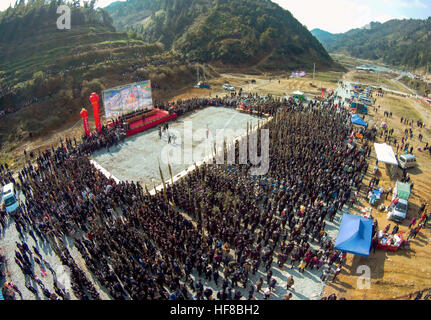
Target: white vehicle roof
8 188
408 156
403 201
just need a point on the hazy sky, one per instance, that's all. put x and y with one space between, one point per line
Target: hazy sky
337 15
342 15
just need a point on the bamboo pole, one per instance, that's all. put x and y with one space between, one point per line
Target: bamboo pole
172 180
164 186
148 192
215 150
247 131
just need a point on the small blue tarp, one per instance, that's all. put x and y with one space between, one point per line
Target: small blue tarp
356 119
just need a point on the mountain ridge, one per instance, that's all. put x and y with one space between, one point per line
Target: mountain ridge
400 43
231 32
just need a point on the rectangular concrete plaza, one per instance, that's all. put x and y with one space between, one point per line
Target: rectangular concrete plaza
138 157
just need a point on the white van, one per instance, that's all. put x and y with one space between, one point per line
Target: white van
399 212
406 161
9 197
366 101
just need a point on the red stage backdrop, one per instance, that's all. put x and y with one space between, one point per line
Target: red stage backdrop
84 116
94 99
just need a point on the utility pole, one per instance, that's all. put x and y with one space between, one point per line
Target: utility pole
203 73
110 48
197 72
314 71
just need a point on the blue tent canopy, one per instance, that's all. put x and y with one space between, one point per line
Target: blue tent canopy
354 235
356 119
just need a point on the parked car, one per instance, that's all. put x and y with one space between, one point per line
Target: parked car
406 161
9 197
399 212
366 101
227 86
202 85
402 193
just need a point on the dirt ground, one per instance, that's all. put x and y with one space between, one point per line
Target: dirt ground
395 275
265 84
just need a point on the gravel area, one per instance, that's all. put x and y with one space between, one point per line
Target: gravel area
8 240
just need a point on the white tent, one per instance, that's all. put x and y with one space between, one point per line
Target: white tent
299 93
385 153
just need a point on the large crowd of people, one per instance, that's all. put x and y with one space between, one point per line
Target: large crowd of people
256 104
218 224
108 136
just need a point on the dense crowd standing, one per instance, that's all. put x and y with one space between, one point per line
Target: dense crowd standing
255 103
218 223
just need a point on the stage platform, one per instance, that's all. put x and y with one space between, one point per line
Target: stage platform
159 117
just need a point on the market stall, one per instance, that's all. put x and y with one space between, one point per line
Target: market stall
378 193
386 154
360 108
375 195
390 242
354 235
356 119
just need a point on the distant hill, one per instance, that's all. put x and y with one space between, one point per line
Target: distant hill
46 74
325 37
404 43
240 32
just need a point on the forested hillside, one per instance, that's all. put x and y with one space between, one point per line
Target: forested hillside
396 42
325 37
47 74
241 32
